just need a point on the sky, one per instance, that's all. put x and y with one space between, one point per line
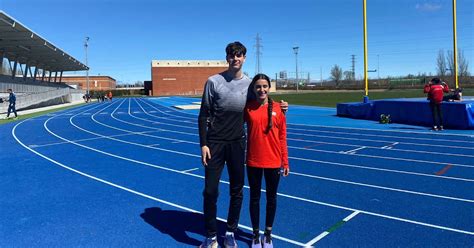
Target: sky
404 36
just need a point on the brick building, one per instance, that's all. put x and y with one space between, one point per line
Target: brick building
95 82
182 77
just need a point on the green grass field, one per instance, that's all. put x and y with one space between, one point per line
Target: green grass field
331 98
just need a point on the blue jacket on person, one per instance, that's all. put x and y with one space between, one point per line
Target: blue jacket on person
12 98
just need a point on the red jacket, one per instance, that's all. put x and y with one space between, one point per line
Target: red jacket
435 92
265 150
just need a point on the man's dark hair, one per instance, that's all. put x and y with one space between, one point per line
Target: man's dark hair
235 48
436 81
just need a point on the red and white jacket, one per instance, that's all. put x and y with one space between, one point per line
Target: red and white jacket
436 92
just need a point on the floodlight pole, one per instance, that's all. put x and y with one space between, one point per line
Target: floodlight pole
86 44
455 46
365 48
295 49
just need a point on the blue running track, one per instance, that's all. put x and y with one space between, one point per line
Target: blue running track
128 174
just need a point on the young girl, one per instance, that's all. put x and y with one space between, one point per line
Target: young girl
267 153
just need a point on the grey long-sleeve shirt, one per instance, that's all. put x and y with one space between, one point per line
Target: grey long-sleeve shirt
221 115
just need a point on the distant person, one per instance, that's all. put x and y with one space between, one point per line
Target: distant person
222 140
435 89
456 96
267 154
11 104
109 95
103 97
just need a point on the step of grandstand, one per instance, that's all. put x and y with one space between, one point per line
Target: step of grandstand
33 93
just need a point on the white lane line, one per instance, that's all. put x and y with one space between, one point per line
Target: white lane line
325 233
303 159
385 188
385 131
283 195
88 139
343 138
280 194
352 133
382 157
351 216
139 193
381 169
193 169
309 149
301 174
353 150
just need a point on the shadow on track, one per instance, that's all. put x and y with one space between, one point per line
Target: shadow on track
177 223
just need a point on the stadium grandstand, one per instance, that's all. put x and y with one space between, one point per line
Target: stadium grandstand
33 67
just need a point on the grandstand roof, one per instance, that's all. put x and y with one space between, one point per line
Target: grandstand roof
19 43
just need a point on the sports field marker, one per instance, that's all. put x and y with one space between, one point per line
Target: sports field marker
442 171
331 229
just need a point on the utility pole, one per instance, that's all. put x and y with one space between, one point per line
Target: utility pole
86 44
353 66
378 68
258 53
321 75
295 49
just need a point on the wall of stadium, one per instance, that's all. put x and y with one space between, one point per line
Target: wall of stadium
96 83
183 77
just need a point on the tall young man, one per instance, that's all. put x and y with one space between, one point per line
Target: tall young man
222 141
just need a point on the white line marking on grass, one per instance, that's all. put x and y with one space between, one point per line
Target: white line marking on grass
325 233
193 169
139 193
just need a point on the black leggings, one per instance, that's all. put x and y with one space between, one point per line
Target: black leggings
437 114
272 178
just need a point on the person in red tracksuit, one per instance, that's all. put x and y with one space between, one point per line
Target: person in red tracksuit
267 153
435 89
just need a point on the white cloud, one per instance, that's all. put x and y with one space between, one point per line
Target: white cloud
428 7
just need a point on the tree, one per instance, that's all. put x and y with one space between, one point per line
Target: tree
463 65
441 63
336 74
348 75
450 59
